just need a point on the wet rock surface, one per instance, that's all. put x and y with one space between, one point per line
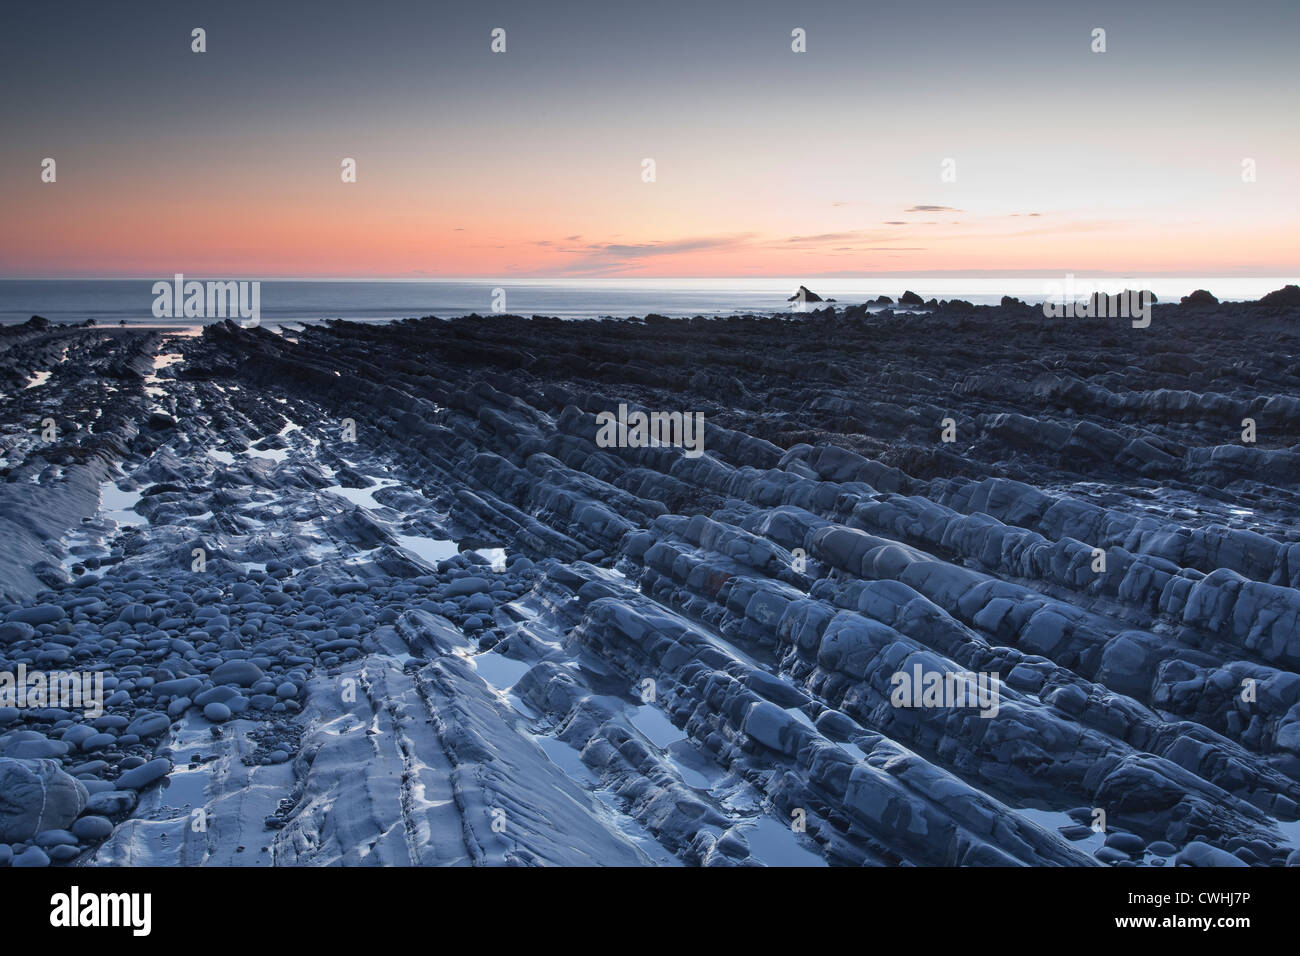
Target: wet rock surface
376 594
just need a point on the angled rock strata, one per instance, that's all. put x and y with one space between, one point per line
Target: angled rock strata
377 594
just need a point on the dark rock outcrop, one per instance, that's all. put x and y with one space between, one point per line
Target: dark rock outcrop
804 294
1288 296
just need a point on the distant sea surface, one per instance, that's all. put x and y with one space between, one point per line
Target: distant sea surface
109 301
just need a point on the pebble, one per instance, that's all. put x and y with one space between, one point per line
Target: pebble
31 857
134 614
13 631
217 712
92 827
37 615
479 602
149 724
75 735
243 673
219 694
469 585
98 742
1125 842
140 777
49 838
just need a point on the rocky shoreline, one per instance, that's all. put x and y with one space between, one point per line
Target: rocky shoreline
374 593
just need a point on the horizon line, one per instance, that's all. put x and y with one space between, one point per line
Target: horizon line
908 274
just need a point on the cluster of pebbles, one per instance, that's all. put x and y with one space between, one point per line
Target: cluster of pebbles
241 647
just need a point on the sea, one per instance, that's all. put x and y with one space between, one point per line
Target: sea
112 301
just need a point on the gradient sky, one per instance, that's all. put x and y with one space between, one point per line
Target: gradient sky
768 162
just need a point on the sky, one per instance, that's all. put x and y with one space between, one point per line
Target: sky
766 161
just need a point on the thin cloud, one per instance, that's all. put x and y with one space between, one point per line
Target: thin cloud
826 237
644 250
932 209
604 257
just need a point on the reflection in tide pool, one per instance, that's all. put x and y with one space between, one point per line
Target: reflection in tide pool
118 504
432 550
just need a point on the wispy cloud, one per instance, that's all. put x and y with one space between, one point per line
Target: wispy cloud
642 250
855 235
605 257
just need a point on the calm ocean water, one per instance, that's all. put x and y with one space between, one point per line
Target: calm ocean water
112 300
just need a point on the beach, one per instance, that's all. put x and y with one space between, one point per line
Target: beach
479 590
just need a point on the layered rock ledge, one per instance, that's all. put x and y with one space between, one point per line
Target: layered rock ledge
376 593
